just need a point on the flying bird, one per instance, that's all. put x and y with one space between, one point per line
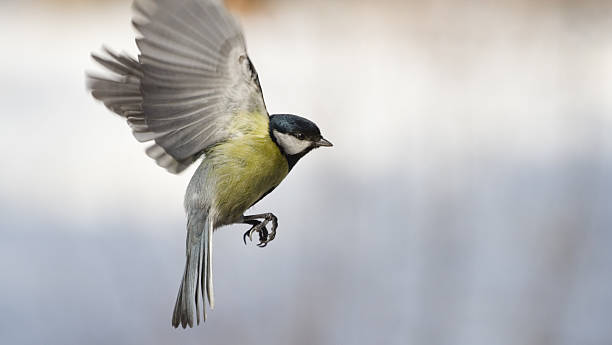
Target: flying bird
194 92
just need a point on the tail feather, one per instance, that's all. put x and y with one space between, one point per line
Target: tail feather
209 275
197 277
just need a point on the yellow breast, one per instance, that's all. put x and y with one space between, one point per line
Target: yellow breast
244 167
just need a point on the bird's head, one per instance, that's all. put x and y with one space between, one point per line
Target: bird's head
295 135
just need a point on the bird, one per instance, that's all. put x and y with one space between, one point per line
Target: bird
193 92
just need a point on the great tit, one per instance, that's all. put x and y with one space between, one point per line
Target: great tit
194 92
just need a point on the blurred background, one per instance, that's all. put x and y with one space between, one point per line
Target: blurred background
467 199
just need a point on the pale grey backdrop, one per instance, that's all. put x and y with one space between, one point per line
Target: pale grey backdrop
467 199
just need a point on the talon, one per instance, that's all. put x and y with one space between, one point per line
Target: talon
265 236
251 234
245 236
261 229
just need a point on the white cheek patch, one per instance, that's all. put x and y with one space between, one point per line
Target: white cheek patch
290 144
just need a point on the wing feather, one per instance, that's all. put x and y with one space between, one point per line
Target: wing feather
193 75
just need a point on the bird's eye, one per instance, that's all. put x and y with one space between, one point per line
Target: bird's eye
300 136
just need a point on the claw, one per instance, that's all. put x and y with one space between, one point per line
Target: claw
249 233
263 234
260 227
245 236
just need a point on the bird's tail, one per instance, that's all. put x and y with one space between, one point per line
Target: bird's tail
197 278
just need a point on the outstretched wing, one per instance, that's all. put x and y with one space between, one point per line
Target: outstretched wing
192 76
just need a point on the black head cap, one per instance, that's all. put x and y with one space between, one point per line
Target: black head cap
297 126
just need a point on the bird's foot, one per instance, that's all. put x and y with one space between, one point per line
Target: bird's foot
260 227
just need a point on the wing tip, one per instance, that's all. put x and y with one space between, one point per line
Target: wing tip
167 161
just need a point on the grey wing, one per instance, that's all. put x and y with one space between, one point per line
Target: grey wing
192 76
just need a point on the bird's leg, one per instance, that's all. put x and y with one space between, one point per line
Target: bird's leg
260 227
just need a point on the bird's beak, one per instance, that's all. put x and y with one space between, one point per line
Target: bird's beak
324 142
